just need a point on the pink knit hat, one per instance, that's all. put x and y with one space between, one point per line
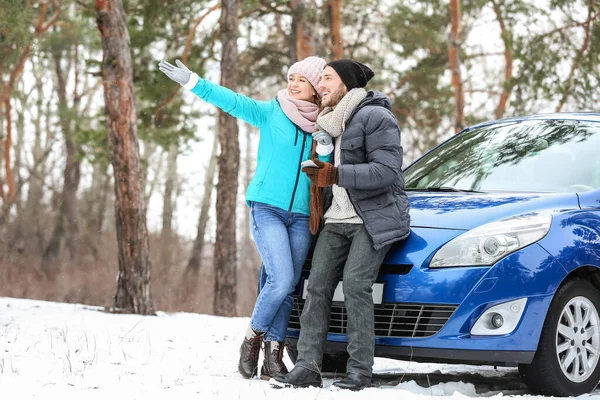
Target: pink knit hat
311 68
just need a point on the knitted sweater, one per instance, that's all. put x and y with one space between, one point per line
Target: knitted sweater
341 211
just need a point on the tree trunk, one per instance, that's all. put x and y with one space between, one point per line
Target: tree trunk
248 172
301 35
2 192
20 125
96 197
35 185
53 247
101 210
19 232
170 188
133 282
250 261
337 47
454 57
10 180
195 261
226 247
149 150
71 174
508 62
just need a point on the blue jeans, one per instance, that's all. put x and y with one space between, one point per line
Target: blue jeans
283 240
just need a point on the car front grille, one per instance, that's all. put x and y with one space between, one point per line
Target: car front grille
391 319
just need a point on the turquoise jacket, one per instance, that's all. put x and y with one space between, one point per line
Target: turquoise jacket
278 179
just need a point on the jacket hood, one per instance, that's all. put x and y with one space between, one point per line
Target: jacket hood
375 98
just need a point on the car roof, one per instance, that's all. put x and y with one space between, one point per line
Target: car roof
572 116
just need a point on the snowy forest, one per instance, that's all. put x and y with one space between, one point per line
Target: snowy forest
118 189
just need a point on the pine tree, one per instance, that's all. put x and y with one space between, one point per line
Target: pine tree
133 283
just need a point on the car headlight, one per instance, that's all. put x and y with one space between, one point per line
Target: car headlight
488 243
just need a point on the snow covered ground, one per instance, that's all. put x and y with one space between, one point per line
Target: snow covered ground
68 351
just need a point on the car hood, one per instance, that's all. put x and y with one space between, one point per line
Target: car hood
465 211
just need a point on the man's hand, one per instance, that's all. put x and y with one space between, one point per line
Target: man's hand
325 175
180 74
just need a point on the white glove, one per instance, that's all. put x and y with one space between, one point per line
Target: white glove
322 137
180 74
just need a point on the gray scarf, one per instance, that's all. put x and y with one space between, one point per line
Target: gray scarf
333 120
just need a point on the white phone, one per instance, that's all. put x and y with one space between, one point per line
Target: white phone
309 164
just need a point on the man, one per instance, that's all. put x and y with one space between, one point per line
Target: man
366 211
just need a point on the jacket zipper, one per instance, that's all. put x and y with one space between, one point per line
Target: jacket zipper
299 167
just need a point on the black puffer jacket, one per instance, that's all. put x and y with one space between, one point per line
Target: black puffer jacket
371 171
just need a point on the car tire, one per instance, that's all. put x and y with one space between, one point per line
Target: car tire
332 362
563 364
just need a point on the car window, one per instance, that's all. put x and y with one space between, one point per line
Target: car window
530 156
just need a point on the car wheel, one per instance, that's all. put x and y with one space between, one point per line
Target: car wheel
566 362
332 362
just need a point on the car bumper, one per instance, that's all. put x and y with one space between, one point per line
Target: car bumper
436 355
468 292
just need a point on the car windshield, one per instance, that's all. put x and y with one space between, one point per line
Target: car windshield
528 156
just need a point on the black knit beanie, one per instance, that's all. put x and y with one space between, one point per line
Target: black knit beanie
352 73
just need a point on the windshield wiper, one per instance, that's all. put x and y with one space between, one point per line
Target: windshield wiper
442 189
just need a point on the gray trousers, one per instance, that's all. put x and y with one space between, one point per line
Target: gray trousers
343 251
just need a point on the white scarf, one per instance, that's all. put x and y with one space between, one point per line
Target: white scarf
333 120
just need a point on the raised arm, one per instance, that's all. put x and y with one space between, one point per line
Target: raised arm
252 111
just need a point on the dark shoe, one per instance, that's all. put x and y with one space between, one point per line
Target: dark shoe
249 356
298 378
353 382
273 363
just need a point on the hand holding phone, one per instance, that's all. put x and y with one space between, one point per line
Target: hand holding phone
308 164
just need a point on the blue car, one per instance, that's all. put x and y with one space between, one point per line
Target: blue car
502 263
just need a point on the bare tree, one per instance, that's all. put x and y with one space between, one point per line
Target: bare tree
10 180
150 151
36 181
97 196
246 240
72 171
22 54
229 161
250 262
170 189
133 283
23 104
2 146
195 260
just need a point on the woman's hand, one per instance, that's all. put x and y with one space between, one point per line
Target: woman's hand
180 74
322 137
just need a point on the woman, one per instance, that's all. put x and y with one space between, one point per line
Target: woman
278 195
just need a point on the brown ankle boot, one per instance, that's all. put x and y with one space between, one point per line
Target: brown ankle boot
249 353
273 363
